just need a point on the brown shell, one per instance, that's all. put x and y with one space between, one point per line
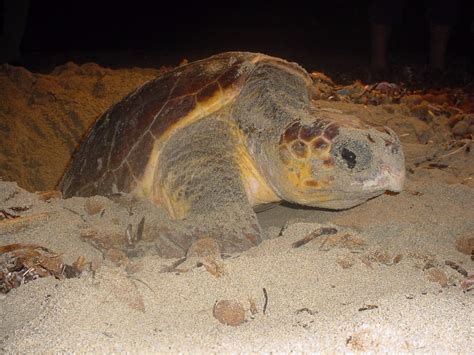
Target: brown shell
118 146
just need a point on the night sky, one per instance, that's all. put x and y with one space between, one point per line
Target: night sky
169 30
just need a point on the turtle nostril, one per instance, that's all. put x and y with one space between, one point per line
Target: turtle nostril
349 157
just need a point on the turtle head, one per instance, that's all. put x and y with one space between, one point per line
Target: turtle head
336 163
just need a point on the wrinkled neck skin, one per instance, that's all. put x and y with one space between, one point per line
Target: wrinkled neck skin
311 157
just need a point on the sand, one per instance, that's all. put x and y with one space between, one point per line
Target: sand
393 277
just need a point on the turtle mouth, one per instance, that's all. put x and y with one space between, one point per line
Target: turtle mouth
340 200
387 179
353 193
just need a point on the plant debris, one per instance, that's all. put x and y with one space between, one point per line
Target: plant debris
265 303
380 256
22 263
347 241
468 284
4 214
368 307
456 267
306 310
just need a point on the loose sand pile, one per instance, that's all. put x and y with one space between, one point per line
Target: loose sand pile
394 274
42 117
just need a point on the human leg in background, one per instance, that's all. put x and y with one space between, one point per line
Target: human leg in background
15 18
383 14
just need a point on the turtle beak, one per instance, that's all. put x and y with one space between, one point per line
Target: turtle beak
394 179
392 171
388 178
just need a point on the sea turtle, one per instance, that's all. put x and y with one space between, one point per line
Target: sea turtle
210 140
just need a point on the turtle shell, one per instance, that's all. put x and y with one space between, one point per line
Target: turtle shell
116 151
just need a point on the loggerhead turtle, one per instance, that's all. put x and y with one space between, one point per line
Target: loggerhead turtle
212 139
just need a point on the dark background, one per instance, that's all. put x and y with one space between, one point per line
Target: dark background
330 35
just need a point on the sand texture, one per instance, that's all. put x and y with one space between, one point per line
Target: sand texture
394 274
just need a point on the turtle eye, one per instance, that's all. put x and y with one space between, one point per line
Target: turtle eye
352 154
349 156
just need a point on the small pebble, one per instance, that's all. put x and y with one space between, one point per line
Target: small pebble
436 275
229 312
93 205
204 247
461 128
465 244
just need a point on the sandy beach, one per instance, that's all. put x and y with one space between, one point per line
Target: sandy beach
394 274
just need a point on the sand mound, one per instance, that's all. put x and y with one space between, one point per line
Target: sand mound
42 117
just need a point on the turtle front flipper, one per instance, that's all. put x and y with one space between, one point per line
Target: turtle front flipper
198 180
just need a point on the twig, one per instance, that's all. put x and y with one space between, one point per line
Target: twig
76 213
143 282
139 234
454 151
265 303
313 235
173 267
323 243
368 307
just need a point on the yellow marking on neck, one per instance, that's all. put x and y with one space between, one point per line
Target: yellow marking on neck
256 187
